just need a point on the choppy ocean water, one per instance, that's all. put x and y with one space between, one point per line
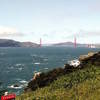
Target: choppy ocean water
17 65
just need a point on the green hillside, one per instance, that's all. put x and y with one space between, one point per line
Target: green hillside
83 84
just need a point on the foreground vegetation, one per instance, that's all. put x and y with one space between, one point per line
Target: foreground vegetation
83 84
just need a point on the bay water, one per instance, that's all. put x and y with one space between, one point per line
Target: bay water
18 65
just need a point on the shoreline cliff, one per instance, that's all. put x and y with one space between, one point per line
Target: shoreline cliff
41 80
80 82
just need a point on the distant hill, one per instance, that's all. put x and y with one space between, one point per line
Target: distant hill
69 44
29 44
13 43
97 45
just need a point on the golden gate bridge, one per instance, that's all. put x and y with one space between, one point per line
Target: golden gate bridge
75 44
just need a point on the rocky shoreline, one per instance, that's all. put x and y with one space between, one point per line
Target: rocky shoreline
44 79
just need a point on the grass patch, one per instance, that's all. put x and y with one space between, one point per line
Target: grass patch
82 84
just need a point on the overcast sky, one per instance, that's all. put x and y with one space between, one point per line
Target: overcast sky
52 20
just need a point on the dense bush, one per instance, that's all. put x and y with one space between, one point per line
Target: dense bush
69 83
45 79
77 85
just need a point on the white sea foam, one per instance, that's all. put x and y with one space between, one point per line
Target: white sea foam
11 67
21 85
74 63
23 81
45 59
15 87
37 63
35 71
18 65
46 68
20 68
